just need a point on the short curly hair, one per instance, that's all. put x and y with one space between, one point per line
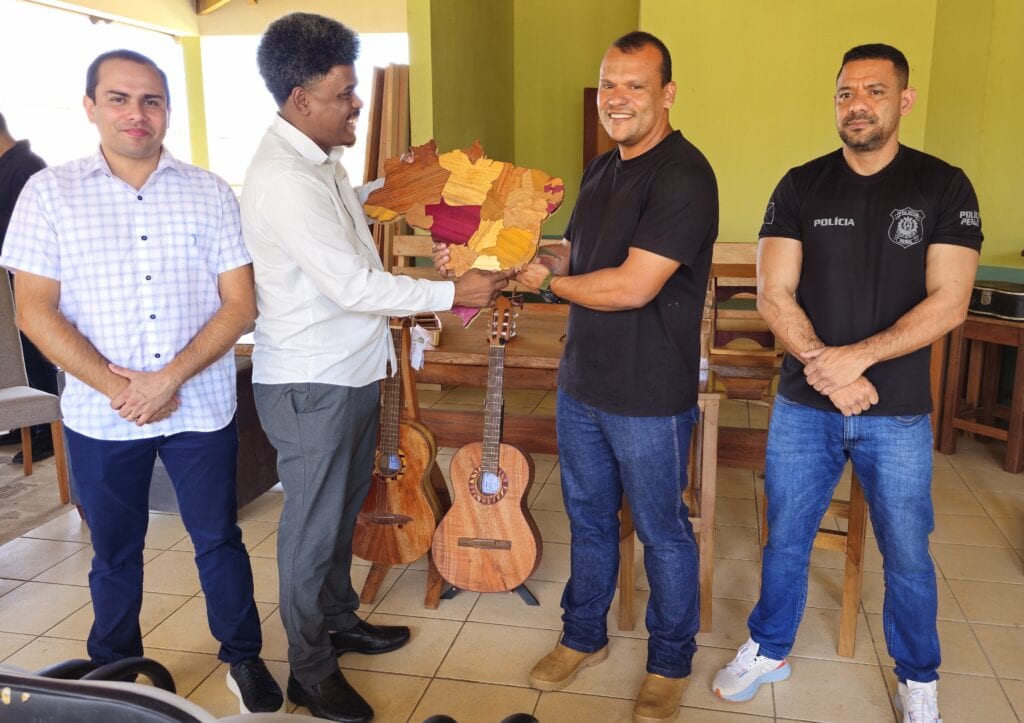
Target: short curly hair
301 48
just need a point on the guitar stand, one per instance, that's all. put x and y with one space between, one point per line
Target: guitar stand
523 592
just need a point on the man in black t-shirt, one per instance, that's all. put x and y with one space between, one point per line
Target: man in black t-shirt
634 266
17 164
867 255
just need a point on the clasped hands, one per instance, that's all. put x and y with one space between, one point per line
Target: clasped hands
838 373
146 397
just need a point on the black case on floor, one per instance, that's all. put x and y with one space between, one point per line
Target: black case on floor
1001 299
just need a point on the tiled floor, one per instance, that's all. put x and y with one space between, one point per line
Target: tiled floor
470 657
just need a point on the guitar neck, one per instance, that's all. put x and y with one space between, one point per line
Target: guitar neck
391 400
493 408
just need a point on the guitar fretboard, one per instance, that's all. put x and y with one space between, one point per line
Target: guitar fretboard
493 408
391 402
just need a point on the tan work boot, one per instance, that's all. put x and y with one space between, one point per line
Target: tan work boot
658 699
559 667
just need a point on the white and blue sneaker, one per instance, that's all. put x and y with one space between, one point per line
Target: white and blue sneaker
739 680
918 702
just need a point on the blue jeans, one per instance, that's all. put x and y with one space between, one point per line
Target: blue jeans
892 456
112 480
603 455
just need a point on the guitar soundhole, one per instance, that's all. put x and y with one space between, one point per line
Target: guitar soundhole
488 487
390 465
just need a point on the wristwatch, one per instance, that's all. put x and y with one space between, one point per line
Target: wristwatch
545 289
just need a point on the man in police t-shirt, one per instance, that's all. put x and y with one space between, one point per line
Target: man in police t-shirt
867 255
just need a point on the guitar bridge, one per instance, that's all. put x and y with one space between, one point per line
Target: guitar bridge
485 543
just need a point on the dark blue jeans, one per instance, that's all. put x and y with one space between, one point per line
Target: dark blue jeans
602 456
112 480
807 450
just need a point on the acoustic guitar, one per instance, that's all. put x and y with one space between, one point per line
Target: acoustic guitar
397 521
488 542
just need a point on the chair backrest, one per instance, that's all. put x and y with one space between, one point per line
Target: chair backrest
12 363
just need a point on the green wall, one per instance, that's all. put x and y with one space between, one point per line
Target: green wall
558 51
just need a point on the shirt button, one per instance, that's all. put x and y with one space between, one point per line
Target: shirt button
152 316
145 238
148 277
139 197
157 356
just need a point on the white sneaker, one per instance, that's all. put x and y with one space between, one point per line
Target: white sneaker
918 702
739 680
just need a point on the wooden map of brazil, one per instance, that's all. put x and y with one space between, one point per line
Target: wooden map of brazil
490 212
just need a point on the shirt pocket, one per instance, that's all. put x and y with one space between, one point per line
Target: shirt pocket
184 246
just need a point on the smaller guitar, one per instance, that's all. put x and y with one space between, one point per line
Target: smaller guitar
488 542
399 516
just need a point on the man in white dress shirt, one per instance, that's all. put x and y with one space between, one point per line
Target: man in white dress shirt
131 274
322 346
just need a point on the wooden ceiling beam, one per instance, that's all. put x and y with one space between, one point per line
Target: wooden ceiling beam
205 7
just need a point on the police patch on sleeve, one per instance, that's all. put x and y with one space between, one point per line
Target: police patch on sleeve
907 227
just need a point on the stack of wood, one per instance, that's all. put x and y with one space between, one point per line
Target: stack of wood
387 137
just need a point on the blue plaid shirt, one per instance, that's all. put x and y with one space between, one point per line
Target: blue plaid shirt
138 278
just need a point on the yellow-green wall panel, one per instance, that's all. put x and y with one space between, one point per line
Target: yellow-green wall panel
558 51
241 17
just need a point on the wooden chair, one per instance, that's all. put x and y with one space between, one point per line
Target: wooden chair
700 498
21 406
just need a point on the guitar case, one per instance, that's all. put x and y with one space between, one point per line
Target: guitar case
1001 299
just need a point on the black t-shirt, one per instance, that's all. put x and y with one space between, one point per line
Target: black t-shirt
642 362
16 165
865 241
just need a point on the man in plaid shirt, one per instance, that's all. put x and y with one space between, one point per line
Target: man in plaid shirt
131 274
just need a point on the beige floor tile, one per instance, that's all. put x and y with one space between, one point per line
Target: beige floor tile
186 629
956 502
818 637
549 401
758 416
620 675
737 579
44 652
825 588
990 479
275 644
939 459
963 530
733 413
990 602
729 624
977 453
966 562
37 606
549 498
523 397
446 406
1015 692
968 698
406 598
1003 646
734 482
164 530
555 478
853 692
69 527
575 707
190 669
11 643
392 697
706 663
358 576
265 580
25 557
554 526
427 647
739 543
465 395
474 702
732 511
554 563
473 654
1012 529
543 466
7 585
699 715
831 559
267 548
507 608
75 569
1002 504
426 397
533 491
872 594
253 533
947 478
960 650
171 572
640 600
156 608
266 507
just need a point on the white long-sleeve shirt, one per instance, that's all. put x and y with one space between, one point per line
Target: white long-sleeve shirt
323 295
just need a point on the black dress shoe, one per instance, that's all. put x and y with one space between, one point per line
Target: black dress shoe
12 437
332 698
42 448
369 639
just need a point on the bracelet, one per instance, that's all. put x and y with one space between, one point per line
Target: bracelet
545 289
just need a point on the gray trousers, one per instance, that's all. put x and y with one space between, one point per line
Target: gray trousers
325 436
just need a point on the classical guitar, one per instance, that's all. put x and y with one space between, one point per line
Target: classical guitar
487 542
399 516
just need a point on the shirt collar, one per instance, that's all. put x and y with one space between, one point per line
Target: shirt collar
96 163
304 145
